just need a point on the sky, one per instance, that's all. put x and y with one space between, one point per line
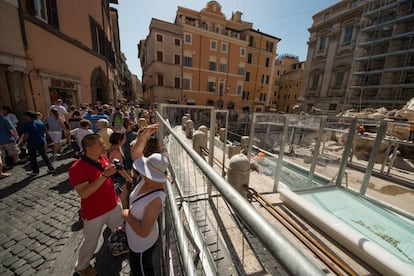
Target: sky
288 20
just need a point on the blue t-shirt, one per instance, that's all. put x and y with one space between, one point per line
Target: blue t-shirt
36 130
5 136
96 118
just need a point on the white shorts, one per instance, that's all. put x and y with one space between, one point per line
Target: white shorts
55 136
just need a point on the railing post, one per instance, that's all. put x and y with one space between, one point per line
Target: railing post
373 156
347 152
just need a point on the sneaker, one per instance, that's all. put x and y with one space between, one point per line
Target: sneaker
51 170
32 174
89 271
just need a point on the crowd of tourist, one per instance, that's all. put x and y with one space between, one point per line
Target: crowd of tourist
119 172
63 123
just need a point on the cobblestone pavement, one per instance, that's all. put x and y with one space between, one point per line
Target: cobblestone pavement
40 228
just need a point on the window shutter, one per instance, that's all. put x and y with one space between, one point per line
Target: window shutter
31 7
52 13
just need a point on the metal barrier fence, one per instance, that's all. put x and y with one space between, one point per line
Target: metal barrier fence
300 151
204 199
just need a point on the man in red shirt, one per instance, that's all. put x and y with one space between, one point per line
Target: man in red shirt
90 176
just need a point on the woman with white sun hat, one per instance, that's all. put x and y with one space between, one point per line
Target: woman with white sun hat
145 204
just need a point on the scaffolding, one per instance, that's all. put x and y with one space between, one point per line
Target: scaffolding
384 60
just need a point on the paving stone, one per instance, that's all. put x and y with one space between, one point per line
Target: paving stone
28 272
7 273
31 256
9 244
15 265
22 269
36 264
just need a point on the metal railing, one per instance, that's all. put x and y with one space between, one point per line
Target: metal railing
194 175
321 149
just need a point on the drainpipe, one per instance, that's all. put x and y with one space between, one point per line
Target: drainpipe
106 59
31 87
26 46
21 21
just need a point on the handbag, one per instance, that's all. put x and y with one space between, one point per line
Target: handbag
117 241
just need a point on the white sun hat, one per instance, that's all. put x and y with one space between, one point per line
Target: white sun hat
153 167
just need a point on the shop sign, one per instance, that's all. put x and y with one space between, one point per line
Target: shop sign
64 84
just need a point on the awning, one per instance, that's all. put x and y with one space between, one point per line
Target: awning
191 101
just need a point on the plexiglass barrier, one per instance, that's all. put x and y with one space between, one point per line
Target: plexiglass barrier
301 152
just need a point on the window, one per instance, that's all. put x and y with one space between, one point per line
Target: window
160 79
240 71
245 95
239 89
212 66
332 106
249 58
177 42
267 62
221 88
348 34
45 10
242 52
224 47
262 97
314 81
223 67
269 46
177 59
353 4
177 82
160 56
322 43
99 42
96 34
327 15
247 76
188 61
213 45
186 84
188 38
251 41
211 86
339 78
159 37
265 79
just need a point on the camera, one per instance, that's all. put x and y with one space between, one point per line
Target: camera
117 164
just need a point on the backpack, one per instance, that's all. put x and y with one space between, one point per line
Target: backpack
117 118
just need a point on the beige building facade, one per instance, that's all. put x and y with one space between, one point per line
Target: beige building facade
383 70
219 62
50 55
360 56
161 61
289 75
331 48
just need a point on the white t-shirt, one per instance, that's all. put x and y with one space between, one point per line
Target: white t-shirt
79 133
61 110
135 242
